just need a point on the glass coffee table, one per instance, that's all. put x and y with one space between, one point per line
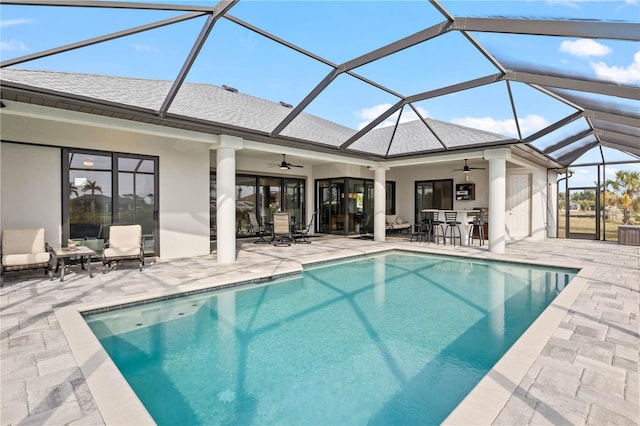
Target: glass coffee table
61 254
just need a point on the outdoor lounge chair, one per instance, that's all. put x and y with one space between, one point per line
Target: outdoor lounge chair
125 243
301 235
394 223
256 229
25 249
282 229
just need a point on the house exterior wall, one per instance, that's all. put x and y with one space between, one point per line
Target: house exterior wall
540 211
539 205
406 177
31 164
334 170
183 174
31 188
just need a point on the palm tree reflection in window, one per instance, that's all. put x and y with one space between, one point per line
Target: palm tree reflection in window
92 187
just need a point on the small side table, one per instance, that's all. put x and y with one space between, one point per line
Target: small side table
62 253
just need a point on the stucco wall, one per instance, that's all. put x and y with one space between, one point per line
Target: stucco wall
406 177
31 189
183 175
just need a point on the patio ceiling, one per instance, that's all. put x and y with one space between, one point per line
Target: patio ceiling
582 114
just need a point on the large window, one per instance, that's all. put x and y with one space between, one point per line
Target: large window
433 194
105 188
262 195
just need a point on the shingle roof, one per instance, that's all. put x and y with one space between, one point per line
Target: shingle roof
214 104
421 73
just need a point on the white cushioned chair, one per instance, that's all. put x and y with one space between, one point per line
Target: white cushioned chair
25 249
125 243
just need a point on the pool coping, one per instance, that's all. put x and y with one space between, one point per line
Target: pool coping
118 404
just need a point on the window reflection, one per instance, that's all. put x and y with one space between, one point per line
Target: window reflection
107 188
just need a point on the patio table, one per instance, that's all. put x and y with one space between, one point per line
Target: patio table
60 254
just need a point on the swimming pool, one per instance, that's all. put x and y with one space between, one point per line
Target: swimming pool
393 338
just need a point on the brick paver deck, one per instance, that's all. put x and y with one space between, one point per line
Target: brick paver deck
587 372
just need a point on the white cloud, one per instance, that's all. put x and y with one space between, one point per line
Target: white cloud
13 22
584 48
144 48
620 75
528 124
12 45
570 3
373 112
369 114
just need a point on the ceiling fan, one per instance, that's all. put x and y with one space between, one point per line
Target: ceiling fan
466 169
284 165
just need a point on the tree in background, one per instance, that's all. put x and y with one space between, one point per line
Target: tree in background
625 193
585 199
92 187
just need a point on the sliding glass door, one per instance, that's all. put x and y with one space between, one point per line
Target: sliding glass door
104 188
433 194
135 204
346 205
293 199
262 196
331 206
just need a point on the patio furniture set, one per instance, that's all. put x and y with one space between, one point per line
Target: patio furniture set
283 231
24 249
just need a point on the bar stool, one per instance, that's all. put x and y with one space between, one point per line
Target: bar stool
419 231
477 227
451 219
433 223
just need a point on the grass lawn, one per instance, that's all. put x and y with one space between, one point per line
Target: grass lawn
586 225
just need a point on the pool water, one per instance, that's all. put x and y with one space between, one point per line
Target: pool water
395 338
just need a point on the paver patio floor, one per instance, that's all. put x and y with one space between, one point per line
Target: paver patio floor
587 372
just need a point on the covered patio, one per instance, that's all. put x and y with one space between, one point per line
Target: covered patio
551 117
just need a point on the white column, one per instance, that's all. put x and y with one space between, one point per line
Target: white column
497 197
226 198
379 203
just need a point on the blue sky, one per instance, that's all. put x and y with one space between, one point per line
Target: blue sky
339 31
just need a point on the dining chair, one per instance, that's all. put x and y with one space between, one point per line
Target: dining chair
302 235
282 235
256 229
